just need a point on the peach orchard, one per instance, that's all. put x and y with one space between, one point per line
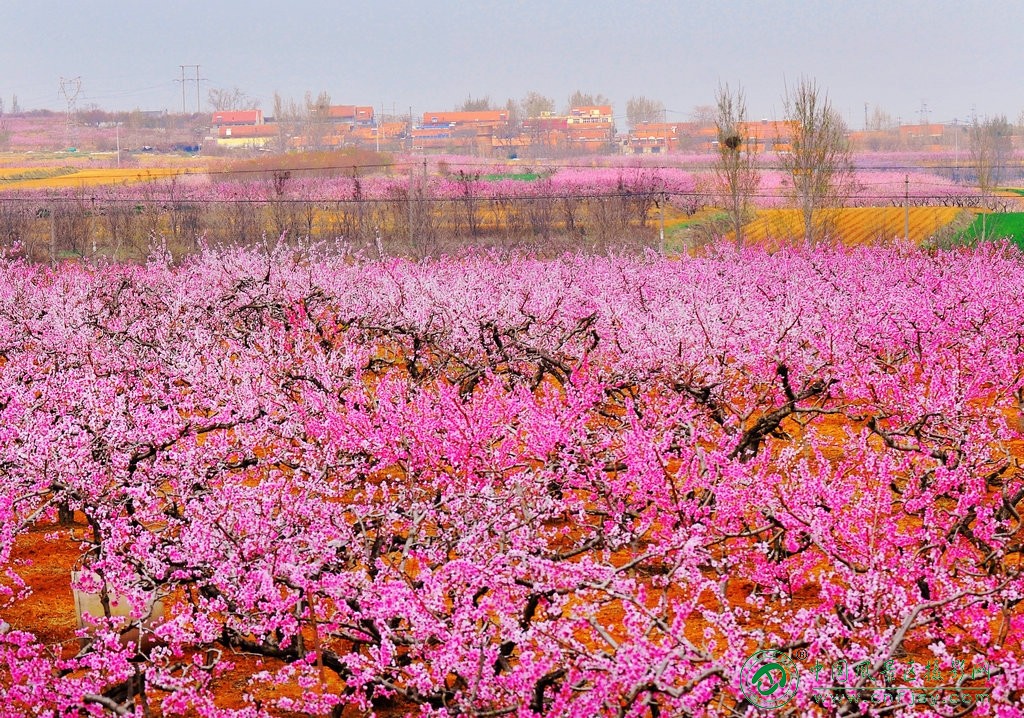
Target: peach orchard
492 485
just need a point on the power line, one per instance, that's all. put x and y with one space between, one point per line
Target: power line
652 169
230 172
125 93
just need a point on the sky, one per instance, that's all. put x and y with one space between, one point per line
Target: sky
934 60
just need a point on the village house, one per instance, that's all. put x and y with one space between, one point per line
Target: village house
470 132
234 118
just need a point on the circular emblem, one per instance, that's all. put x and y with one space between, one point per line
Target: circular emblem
769 679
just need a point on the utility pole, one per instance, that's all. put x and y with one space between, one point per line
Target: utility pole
664 131
183 81
53 235
661 215
412 175
906 207
956 151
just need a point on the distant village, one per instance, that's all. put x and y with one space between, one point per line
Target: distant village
584 129
588 129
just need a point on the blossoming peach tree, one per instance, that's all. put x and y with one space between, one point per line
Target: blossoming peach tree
490 486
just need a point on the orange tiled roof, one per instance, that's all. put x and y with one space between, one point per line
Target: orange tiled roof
492 116
238 117
356 113
268 130
592 110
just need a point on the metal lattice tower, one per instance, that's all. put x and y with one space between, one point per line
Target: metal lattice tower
183 81
70 89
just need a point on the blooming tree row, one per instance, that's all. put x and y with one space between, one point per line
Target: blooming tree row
415 213
490 486
684 186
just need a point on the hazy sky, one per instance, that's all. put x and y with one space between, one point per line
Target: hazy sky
954 57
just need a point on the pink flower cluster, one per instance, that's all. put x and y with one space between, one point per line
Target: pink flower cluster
496 486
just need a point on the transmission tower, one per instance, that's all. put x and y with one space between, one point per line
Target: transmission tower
185 80
70 89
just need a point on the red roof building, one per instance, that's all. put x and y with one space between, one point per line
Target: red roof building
265 130
658 137
237 117
590 114
355 114
489 118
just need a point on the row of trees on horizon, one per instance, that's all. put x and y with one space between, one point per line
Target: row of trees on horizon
640 109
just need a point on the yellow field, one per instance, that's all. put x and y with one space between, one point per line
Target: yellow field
11 175
855 225
28 177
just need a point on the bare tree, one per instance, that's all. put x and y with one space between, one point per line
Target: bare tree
475 104
703 115
288 119
880 121
736 163
515 116
640 109
223 99
991 147
317 120
585 99
818 162
534 104
882 130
